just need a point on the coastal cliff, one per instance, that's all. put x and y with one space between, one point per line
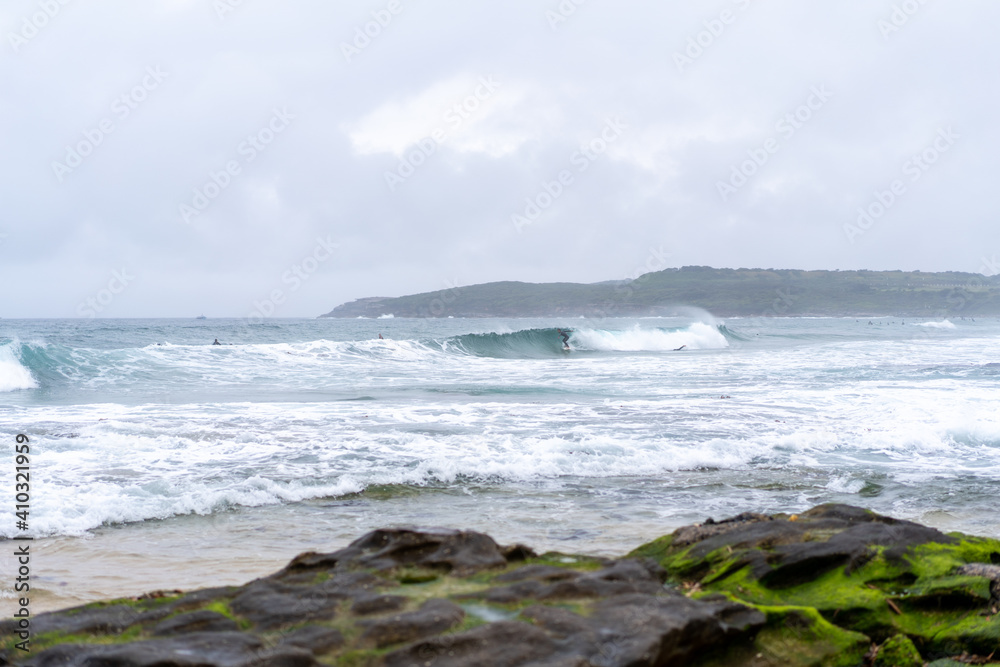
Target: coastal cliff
834 586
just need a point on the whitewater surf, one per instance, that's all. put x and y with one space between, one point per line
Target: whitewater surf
296 432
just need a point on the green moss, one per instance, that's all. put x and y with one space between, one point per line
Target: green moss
919 595
583 609
343 621
656 549
360 657
898 651
830 592
939 560
974 587
222 607
49 639
137 604
413 575
136 632
679 563
468 623
973 633
558 559
439 587
794 637
801 636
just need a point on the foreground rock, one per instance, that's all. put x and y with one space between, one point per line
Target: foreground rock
903 586
834 586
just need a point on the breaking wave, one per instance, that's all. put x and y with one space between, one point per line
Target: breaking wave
540 343
38 364
943 324
13 375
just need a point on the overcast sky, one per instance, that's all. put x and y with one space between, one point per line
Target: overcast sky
179 157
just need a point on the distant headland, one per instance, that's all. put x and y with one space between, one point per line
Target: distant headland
723 292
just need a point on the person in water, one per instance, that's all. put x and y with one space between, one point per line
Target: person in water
565 337
216 342
380 337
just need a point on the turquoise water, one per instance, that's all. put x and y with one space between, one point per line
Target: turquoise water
302 434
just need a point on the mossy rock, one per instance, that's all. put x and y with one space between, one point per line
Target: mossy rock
814 590
863 572
796 637
898 651
400 597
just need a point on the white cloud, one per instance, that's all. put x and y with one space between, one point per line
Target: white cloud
470 114
556 91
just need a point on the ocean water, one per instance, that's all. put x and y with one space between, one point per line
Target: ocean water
160 461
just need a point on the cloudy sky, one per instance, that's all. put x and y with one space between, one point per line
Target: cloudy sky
204 156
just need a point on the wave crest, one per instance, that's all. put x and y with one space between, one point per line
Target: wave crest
13 375
35 364
943 324
542 343
698 336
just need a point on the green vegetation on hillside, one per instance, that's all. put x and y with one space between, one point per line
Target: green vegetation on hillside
724 292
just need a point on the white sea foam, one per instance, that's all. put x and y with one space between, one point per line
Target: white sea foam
167 430
13 376
845 484
698 336
943 324
154 462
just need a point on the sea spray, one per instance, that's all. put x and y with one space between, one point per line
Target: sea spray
321 421
14 376
698 336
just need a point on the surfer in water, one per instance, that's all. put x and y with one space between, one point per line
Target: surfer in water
678 349
216 342
565 338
